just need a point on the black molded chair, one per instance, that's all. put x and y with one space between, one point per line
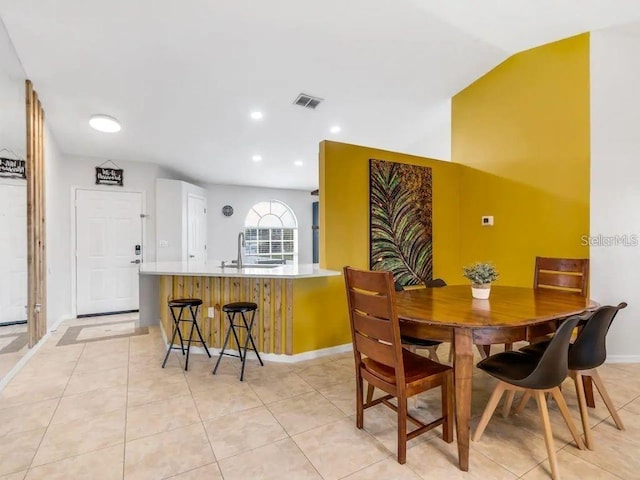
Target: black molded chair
586 354
534 375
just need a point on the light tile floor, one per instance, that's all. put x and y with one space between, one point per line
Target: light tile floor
104 409
13 346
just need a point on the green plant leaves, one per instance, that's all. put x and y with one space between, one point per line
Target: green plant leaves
401 209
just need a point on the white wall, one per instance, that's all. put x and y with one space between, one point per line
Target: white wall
63 173
223 231
615 182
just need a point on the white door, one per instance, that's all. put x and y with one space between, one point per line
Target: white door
13 252
196 228
108 228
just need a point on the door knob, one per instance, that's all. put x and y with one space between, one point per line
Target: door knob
135 261
192 256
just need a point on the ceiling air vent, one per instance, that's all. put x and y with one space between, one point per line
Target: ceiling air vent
307 101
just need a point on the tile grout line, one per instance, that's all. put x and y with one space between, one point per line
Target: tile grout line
46 430
126 412
195 404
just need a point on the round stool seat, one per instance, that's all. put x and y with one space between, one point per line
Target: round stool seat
240 307
185 302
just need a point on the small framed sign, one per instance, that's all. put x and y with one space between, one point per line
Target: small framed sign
109 176
10 168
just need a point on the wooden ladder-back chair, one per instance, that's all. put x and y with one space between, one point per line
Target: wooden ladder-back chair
570 275
383 363
566 274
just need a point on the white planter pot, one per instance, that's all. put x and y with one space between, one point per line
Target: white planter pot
481 292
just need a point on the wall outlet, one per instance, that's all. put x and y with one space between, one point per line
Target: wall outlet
164 243
211 312
487 221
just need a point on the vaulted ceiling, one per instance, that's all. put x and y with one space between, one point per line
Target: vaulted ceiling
183 77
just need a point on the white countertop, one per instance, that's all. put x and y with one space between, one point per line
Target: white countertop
213 269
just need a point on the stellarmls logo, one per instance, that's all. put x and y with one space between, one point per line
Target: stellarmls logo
599 240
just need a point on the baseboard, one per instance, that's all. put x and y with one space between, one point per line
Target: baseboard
57 323
274 357
23 361
623 358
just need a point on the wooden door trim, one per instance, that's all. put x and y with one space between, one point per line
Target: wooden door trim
36 219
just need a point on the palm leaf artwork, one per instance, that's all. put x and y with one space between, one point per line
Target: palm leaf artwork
401 229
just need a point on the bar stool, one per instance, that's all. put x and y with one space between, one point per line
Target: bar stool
231 309
184 303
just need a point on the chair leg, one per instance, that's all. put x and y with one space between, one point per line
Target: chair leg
359 406
484 350
523 401
451 353
607 399
414 399
447 409
564 410
582 403
506 408
433 353
548 435
370 389
489 409
402 429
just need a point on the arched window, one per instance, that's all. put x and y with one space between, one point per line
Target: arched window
271 232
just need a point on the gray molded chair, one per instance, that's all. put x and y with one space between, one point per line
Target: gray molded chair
534 375
586 354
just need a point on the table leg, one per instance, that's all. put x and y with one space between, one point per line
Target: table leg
463 371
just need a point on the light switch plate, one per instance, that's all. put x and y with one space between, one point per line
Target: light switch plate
210 312
164 243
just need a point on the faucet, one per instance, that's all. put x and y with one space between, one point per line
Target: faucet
241 244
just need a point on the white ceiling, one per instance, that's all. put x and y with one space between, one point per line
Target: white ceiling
183 76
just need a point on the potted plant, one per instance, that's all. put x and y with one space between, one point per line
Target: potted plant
481 275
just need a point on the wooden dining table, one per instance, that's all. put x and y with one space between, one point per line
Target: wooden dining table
511 314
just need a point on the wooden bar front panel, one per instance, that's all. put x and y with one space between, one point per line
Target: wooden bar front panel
273 327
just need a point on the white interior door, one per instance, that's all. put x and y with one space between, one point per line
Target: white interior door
196 228
13 252
108 228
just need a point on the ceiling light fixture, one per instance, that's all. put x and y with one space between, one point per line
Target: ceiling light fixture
257 158
105 124
335 129
298 163
257 115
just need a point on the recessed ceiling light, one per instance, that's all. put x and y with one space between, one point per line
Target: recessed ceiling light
298 163
335 129
104 123
257 158
257 115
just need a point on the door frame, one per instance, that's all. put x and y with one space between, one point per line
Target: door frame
206 223
14 182
73 259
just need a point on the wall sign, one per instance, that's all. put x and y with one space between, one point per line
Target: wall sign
10 168
109 176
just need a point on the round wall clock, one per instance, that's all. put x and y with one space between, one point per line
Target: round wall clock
227 210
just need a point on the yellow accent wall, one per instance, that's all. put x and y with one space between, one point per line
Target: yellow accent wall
523 131
320 309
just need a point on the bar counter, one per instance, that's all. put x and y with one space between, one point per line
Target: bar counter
289 297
